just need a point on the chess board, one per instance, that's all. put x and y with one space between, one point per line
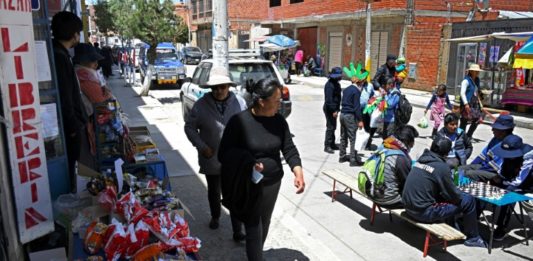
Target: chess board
483 190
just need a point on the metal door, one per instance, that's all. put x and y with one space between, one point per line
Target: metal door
335 50
466 55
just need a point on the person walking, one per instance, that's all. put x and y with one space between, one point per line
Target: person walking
470 102
436 104
299 61
251 143
204 127
351 119
66 28
331 108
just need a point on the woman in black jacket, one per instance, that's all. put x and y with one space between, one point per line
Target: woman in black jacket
462 146
261 133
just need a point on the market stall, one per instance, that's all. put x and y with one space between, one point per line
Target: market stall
522 92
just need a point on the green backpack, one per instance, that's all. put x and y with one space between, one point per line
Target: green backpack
371 179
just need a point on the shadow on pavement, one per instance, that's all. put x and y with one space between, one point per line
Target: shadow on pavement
284 254
216 244
397 227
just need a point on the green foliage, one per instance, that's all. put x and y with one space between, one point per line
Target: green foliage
151 21
103 18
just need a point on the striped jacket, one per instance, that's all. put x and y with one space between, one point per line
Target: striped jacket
488 160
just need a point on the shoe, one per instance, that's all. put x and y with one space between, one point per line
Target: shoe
334 147
329 150
356 163
475 242
343 159
499 234
238 236
213 224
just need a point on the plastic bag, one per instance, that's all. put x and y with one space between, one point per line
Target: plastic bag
423 123
376 120
361 139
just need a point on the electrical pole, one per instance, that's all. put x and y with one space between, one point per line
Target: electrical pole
220 33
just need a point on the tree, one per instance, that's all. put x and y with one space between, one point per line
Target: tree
152 22
103 18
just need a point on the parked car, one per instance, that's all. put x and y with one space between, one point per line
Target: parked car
240 71
192 55
168 67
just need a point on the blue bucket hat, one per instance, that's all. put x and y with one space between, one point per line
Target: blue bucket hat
512 146
336 73
503 122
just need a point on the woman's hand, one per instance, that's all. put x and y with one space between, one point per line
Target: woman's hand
467 109
299 182
259 167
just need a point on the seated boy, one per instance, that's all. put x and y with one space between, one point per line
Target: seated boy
430 196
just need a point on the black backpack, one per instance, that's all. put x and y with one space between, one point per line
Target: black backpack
403 111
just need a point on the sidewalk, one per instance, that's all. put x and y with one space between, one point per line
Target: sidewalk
416 98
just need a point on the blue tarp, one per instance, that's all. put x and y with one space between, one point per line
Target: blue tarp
282 41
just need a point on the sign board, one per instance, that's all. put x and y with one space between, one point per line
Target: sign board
20 101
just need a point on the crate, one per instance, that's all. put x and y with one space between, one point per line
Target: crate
140 146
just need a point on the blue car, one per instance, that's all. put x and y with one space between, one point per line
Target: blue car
169 70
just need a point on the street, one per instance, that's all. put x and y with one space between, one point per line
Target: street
306 226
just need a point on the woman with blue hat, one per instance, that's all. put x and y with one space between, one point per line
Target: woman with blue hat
516 175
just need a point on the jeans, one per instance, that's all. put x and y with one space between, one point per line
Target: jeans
331 126
213 196
257 227
474 172
348 130
442 211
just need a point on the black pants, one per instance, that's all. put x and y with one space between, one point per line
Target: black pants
257 227
213 196
331 126
73 155
299 68
348 132
474 172
472 128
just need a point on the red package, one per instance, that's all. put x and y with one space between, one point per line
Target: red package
94 239
187 244
148 252
107 198
116 244
124 206
152 184
139 212
137 238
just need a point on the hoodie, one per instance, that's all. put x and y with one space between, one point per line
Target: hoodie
428 183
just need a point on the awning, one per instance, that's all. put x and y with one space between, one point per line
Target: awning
519 36
506 56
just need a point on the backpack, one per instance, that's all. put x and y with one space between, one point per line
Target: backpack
371 178
404 109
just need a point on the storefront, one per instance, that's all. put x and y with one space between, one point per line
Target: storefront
37 211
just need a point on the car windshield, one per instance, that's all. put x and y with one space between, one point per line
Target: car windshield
240 73
166 54
192 49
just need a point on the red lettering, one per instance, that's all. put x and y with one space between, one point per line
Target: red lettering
23 172
11 7
34 164
22 49
20 117
33 218
22 144
26 170
34 194
13 95
6 43
24 92
18 67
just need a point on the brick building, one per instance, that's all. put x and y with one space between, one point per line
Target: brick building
410 28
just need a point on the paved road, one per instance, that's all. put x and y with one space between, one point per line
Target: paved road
308 226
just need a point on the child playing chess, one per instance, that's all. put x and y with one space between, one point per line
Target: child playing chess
514 175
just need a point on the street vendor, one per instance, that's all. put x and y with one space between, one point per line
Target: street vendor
204 128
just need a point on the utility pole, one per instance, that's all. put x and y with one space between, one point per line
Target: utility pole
368 36
220 33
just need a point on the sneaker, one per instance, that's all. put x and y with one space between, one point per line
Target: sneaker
475 242
499 234
335 147
328 150
238 236
213 224
356 162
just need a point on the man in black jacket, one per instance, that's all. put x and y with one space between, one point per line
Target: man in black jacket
66 28
430 196
385 71
332 104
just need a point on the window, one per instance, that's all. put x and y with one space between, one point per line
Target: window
240 73
274 3
296 1
194 6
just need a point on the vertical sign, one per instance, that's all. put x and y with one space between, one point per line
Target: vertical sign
20 101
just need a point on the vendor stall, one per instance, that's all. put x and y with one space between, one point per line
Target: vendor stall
522 92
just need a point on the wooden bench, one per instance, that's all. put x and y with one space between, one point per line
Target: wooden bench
442 231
